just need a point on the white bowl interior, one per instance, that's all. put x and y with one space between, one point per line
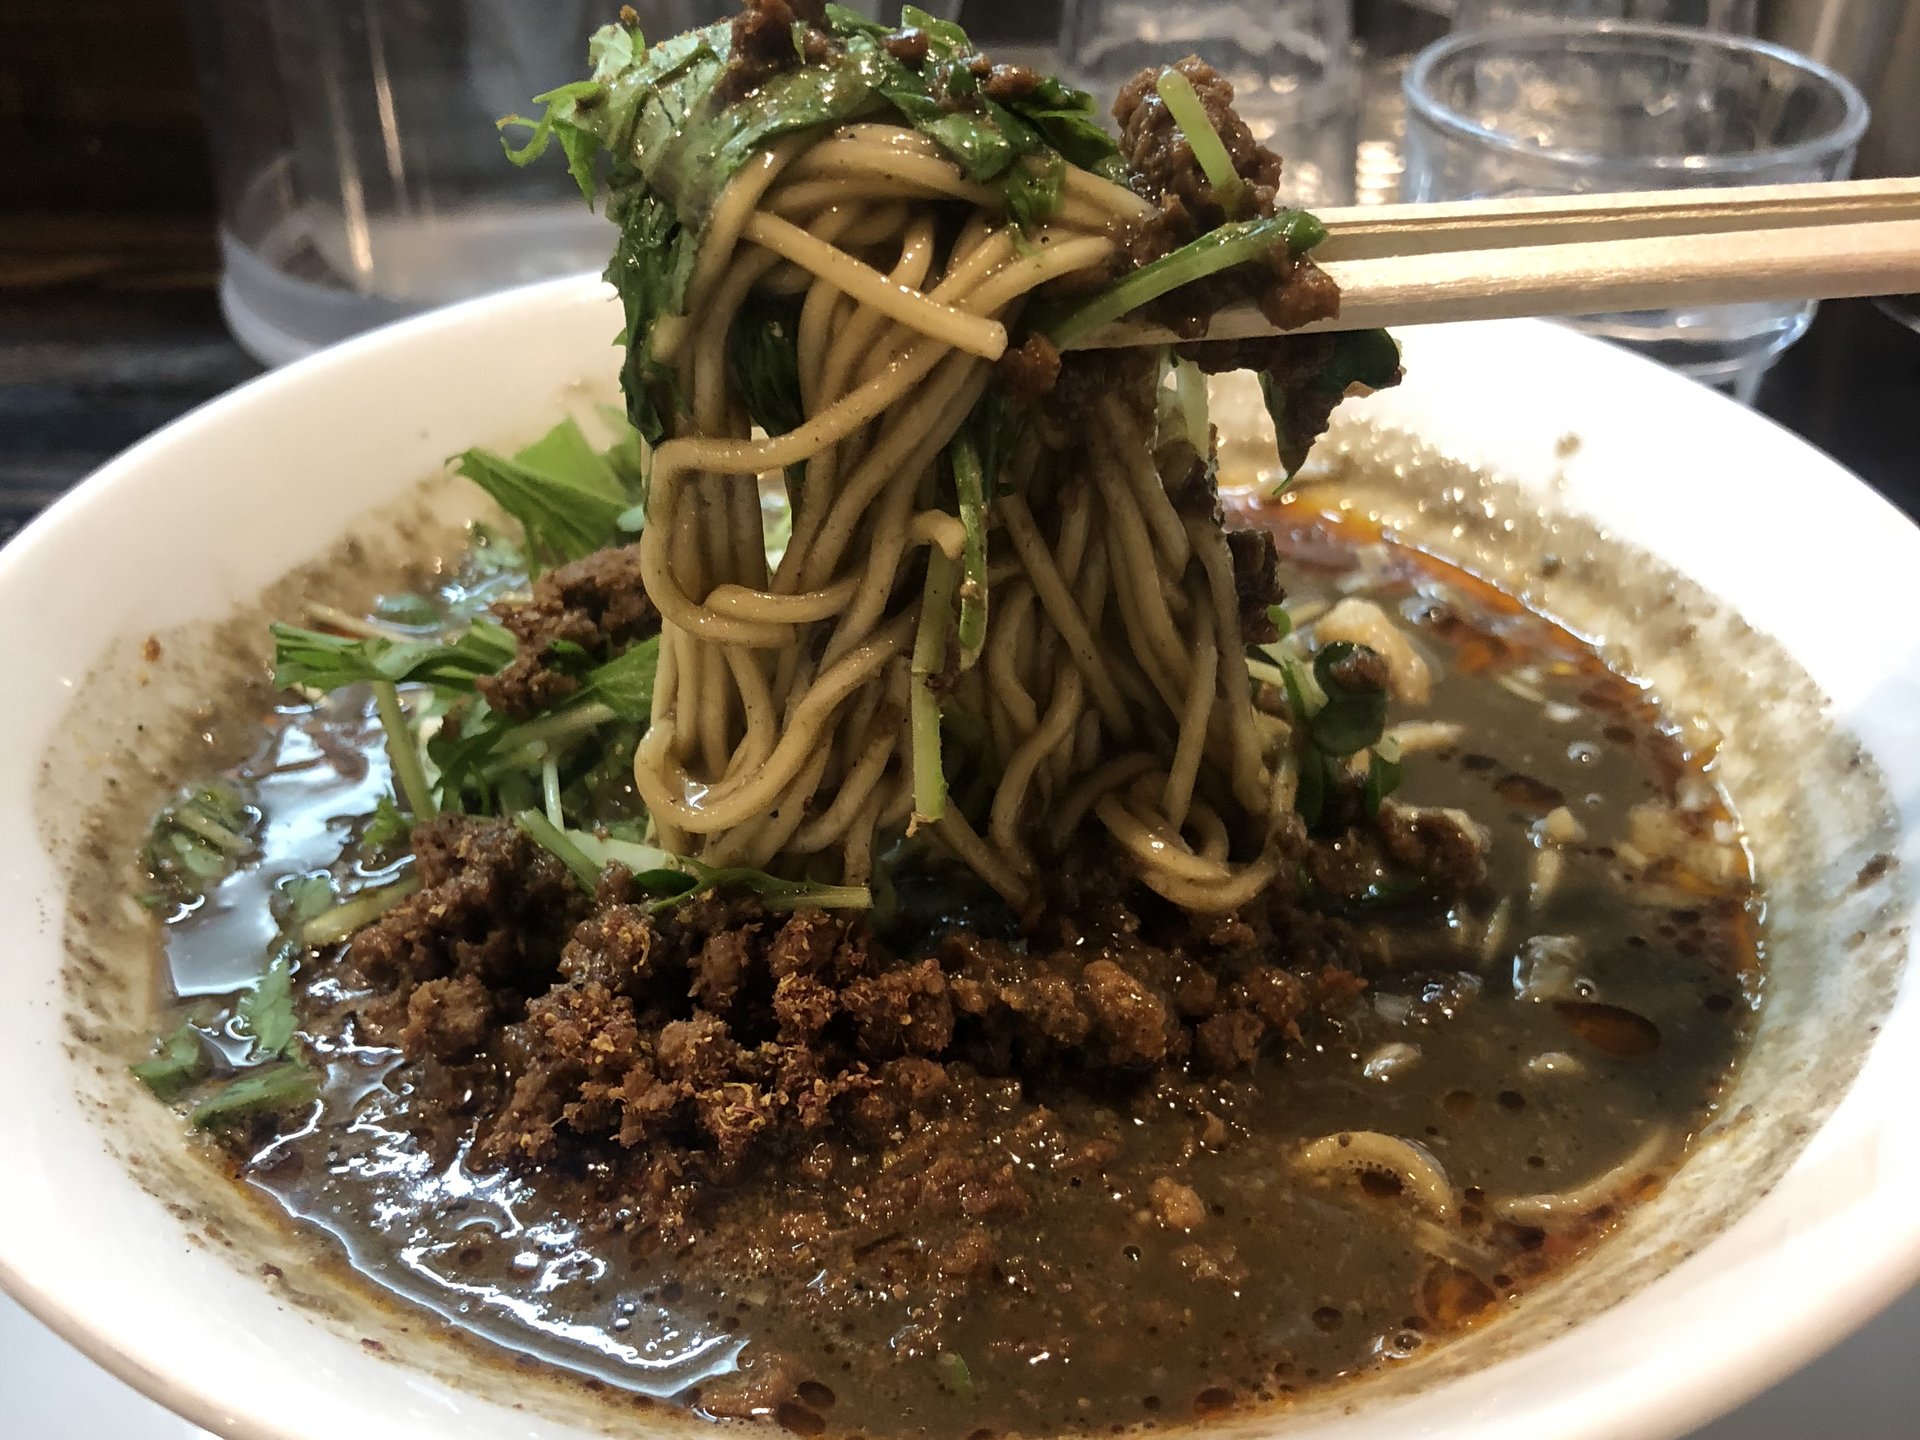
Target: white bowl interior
1791 1225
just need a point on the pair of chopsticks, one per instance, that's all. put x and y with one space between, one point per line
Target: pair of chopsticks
1583 254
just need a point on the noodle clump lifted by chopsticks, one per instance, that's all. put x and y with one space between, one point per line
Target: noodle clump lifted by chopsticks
1007 604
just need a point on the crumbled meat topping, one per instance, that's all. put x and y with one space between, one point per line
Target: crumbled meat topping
1290 290
713 1038
597 604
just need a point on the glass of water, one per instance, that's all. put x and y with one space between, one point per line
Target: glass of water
1737 16
1575 107
360 171
1296 80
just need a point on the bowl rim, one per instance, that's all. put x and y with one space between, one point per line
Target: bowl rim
1825 1280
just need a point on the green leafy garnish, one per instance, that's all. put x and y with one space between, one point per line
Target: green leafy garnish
652 266
181 1061
1355 713
555 841
1181 411
624 685
403 749
993 427
355 913
669 879
267 1090
953 1374
567 496
675 137
198 841
1336 715
561 121
266 1011
390 829
480 749
1066 323
970 490
1176 92
308 895
770 890
317 660
416 612
320 661
1383 775
763 354
929 660
1369 359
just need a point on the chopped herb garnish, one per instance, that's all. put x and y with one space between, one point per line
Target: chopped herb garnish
389 830
266 1011
1369 359
180 1061
1383 774
1176 92
268 1090
624 685
567 496
317 660
953 1374
550 837
1355 713
356 912
1183 406
1222 249
668 878
763 358
970 490
1338 711
560 122
416 612
306 896
675 138
929 660
403 750
198 841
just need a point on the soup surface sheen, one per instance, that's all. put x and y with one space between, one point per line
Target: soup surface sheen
1529 1060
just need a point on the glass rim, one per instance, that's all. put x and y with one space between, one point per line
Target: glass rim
1840 137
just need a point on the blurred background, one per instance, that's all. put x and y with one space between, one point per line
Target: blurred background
194 190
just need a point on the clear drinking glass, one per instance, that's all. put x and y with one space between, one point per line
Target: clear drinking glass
1295 78
1736 17
360 171
1567 107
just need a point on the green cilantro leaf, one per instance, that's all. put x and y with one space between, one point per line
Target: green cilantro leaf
267 1090
180 1061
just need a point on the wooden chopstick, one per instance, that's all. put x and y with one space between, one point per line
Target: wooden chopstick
1573 255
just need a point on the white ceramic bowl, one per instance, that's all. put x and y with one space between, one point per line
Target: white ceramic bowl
1784 1232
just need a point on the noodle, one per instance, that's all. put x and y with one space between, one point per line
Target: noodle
781 713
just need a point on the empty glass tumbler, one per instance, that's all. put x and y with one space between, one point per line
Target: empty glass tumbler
1570 107
1295 77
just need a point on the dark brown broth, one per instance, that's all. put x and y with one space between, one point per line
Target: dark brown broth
1097 1314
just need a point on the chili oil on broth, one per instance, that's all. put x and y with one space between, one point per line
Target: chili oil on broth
1585 1026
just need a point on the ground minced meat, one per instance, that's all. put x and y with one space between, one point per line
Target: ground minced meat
1290 290
596 604
715 1038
